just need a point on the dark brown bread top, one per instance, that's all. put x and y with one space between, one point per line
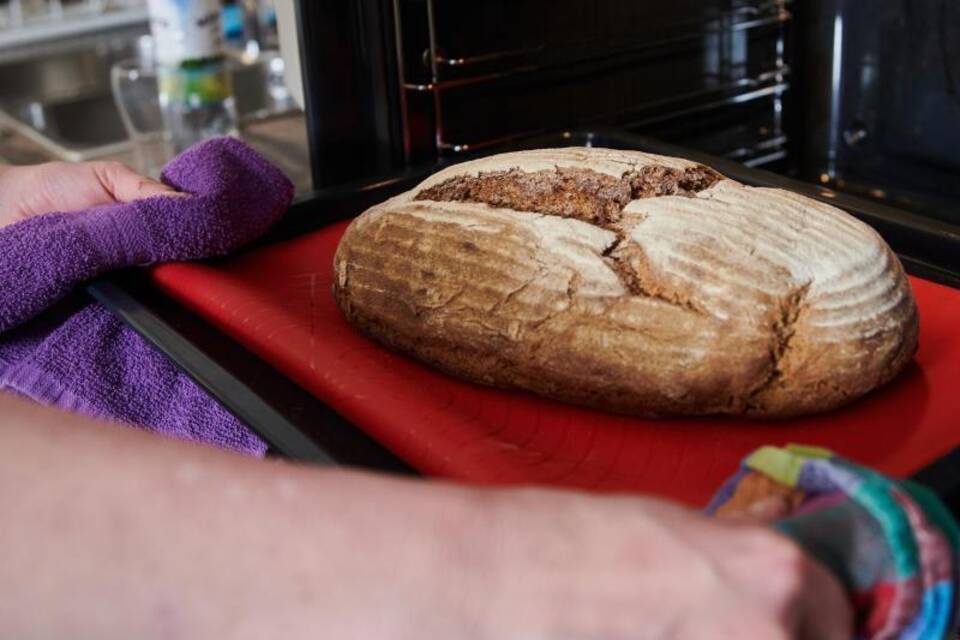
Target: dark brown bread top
583 194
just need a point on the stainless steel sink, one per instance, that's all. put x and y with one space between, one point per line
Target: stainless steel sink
64 70
59 95
87 126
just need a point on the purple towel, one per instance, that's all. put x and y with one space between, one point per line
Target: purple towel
79 357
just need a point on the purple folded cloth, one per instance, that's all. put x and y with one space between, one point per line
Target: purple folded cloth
76 355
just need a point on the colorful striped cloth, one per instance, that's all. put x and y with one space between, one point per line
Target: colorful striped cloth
892 543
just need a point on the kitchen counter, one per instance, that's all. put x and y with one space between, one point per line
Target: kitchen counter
281 139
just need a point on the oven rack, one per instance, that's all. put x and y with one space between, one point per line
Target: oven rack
441 67
492 70
771 84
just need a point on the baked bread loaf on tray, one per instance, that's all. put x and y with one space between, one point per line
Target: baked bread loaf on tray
631 283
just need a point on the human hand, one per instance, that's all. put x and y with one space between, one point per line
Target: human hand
574 567
27 191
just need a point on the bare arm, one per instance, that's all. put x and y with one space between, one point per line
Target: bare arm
110 532
113 533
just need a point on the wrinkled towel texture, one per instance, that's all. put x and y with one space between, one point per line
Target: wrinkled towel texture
892 543
61 349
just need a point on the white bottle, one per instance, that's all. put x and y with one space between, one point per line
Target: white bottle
196 93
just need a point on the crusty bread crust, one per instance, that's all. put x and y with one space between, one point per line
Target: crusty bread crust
632 283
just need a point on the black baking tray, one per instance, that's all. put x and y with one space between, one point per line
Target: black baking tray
297 425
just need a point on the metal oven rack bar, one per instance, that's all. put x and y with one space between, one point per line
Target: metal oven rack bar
773 12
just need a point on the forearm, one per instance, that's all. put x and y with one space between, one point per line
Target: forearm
110 532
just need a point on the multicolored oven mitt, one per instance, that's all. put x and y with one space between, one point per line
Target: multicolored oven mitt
892 543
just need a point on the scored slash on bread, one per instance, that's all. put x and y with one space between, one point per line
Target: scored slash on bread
632 283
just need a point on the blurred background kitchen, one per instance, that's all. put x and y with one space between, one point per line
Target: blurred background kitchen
861 97
84 80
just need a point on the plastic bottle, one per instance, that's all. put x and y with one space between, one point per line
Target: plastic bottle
196 93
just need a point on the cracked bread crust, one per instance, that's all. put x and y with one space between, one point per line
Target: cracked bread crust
632 283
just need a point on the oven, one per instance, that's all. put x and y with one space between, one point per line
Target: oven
860 97
395 89
433 79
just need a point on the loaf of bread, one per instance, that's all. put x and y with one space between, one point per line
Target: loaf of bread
632 283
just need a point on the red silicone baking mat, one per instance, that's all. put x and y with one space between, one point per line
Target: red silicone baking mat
276 300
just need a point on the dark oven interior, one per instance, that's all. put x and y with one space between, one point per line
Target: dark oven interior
863 97
645 66
882 116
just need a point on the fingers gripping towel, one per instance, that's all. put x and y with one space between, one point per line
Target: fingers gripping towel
234 197
891 543
76 355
